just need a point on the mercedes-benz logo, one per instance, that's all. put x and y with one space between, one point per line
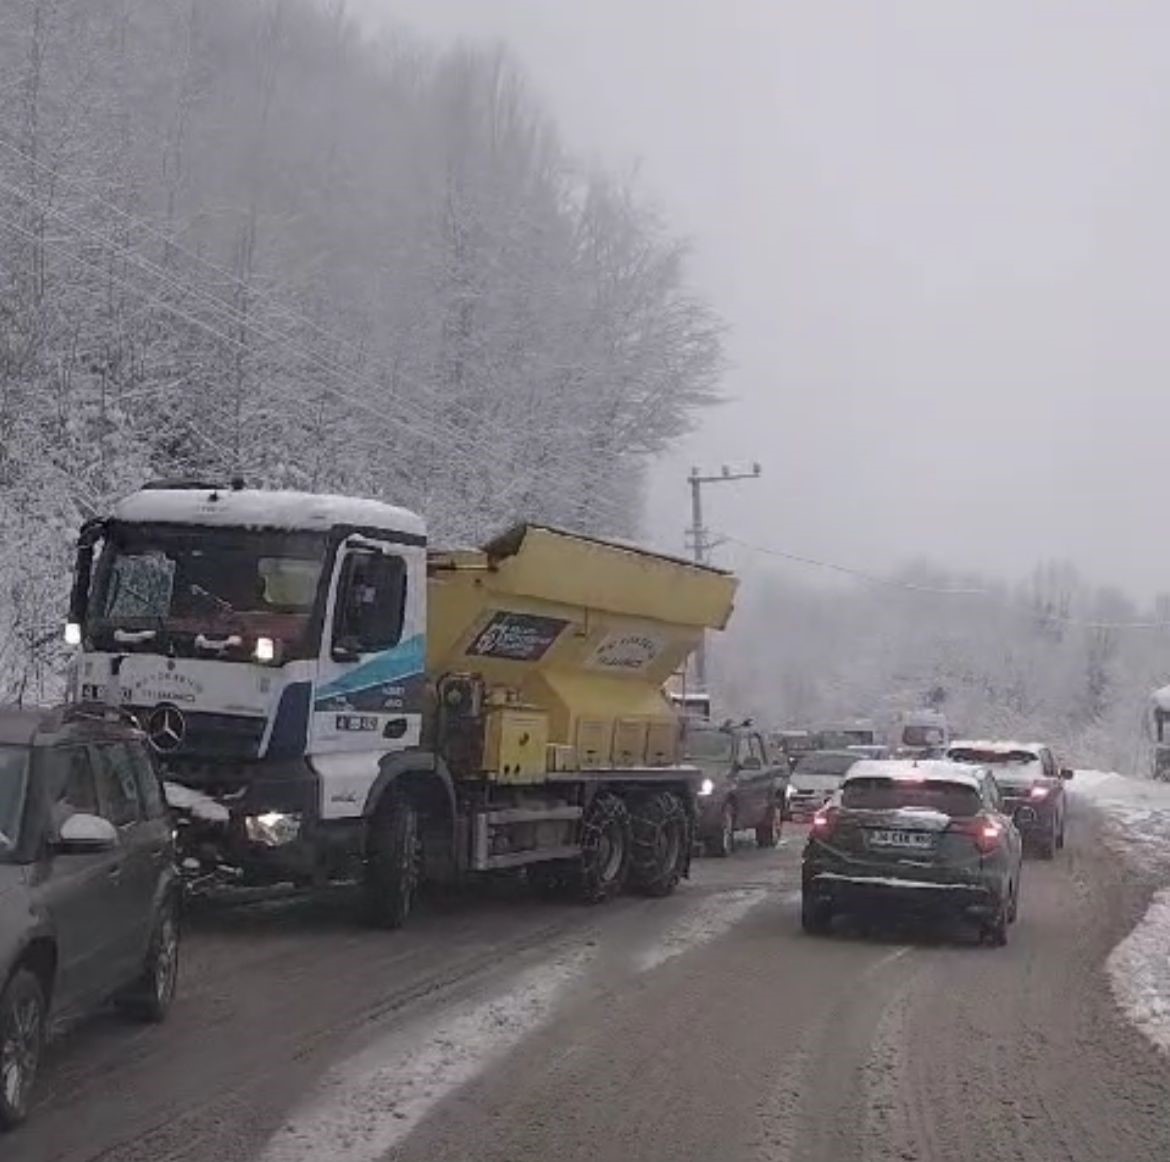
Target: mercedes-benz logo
166 727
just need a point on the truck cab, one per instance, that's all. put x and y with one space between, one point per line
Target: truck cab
311 674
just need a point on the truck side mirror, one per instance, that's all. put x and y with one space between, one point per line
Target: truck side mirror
1066 772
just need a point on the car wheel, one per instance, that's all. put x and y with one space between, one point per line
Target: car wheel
22 1036
769 831
390 876
995 930
150 997
1060 837
1047 844
1014 907
816 916
723 843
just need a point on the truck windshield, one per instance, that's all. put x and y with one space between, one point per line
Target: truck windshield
13 776
194 585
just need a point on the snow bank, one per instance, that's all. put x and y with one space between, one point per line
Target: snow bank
1139 972
1138 815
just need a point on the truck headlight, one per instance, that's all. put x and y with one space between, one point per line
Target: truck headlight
706 787
273 828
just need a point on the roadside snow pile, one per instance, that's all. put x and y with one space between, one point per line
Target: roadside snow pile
1139 971
1138 815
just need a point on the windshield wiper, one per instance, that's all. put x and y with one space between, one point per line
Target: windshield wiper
214 598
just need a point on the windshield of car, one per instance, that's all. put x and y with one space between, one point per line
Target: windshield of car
183 582
825 764
13 778
873 793
711 746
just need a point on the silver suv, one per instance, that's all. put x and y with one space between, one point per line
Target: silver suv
89 897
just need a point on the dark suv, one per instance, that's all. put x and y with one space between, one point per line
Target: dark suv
920 837
89 898
741 789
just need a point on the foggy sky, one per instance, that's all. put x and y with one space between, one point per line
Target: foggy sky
939 233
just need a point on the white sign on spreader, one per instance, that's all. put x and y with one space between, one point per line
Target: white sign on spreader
628 652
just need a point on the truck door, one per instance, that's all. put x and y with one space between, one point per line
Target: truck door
369 697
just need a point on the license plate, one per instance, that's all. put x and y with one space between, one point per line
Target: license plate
357 722
908 840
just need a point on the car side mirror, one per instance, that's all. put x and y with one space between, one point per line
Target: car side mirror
1066 772
83 834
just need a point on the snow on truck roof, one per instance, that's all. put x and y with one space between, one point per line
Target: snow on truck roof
908 771
260 508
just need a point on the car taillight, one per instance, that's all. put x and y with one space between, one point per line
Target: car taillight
1039 792
824 822
987 833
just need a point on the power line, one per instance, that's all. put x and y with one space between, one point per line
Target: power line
913 587
230 316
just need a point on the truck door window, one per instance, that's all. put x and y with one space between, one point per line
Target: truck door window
371 603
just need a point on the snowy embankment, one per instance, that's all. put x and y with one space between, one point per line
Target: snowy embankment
1138 817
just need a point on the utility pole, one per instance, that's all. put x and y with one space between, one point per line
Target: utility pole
700 544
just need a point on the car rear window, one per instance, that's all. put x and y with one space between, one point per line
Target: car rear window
879 794
984 758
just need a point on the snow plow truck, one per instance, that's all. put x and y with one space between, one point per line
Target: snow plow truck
330 699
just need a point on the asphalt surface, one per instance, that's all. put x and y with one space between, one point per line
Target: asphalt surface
704 1027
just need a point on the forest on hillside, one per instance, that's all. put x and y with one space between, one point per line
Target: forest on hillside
1052 656
236 236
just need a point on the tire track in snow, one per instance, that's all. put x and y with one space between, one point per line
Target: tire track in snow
707 921
366 1106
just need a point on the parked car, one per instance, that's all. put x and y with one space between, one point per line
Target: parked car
89 896
926 837
1031 783
816 777
741 788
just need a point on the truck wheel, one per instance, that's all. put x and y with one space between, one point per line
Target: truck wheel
661 836
605 849
722 844
390 875
22 1035
769 831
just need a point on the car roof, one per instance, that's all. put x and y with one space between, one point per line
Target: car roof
33 725
996 746
910 771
